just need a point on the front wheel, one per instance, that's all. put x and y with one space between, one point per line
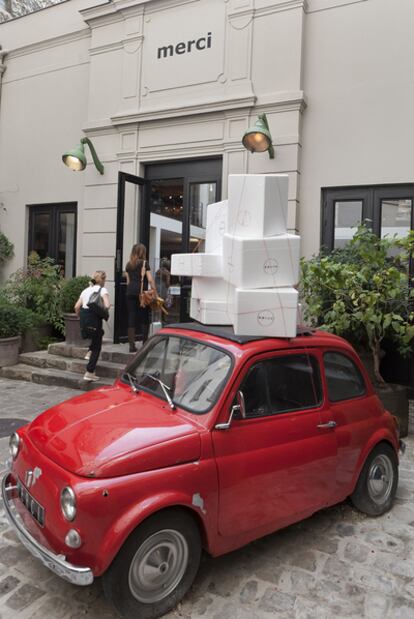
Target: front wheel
155 567
377 484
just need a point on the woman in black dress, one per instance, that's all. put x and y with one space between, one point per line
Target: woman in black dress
138 317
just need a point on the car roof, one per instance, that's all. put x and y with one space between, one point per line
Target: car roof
305 337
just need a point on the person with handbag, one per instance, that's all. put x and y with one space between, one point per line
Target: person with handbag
92 307
141 293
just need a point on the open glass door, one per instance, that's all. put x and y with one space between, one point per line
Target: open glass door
131 228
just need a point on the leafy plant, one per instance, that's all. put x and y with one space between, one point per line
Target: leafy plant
6 249
362 292
71 290
15 320
37 287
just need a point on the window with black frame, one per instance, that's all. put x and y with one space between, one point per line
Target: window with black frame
387 209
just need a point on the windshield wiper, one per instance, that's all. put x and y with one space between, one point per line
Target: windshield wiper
132 381
165 389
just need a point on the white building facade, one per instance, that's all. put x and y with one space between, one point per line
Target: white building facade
165 90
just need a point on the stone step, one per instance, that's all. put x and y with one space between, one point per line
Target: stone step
51 376
114 353
43 359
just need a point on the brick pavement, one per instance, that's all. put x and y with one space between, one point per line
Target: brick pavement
337 563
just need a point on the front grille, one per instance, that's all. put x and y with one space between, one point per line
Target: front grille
35 509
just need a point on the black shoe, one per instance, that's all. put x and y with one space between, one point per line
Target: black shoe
132 348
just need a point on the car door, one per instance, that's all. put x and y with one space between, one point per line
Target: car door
352 409
277 463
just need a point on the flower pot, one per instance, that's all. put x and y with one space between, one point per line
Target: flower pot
72 330
9 351
32 339
395 400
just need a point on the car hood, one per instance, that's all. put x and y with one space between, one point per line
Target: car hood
112 431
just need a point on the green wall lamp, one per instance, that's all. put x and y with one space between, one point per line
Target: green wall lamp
257 139
76 159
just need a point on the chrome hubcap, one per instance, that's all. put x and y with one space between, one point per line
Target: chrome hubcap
158 566
380 479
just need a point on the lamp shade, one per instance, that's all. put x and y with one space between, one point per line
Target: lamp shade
258 139
75 159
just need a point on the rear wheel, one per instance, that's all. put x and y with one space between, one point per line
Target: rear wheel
155 567
377 484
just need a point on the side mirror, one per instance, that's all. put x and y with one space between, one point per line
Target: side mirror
240 407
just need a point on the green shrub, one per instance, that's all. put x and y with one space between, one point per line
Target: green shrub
6 249
362 292
71 290
37 287
15 320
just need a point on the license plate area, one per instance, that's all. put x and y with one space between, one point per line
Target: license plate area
32 506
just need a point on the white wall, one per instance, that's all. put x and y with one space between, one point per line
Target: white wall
358 80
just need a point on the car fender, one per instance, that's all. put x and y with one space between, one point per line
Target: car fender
380 435
131 518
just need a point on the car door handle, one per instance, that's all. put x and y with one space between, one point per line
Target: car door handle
329 424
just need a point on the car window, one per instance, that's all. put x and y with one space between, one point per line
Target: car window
343 378
282 384
194 373
255 391
294 383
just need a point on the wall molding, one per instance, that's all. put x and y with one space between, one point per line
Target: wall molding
40 46
316 6
177 112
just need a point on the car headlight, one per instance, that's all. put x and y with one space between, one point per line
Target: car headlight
68 503
14 445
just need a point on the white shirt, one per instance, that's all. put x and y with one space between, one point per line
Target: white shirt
86 294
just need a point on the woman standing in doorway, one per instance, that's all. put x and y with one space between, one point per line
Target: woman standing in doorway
137 268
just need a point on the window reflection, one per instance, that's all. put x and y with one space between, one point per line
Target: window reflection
348 216
395 217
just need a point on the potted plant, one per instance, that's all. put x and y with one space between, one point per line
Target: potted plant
362 292
70 293
37 287
14 322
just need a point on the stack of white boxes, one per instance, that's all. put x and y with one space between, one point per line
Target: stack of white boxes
247 275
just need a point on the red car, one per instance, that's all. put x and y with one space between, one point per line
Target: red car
206 442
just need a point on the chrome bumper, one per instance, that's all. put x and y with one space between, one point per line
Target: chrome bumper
56 563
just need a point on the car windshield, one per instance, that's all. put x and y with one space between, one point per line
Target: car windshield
194 373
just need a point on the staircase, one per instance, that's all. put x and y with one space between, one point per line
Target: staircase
64 365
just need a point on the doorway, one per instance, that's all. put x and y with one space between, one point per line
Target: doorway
177 196
167 212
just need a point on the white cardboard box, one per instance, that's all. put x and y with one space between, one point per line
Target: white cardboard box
211 312
269 312
258 204
269 262
212 289
216 226
197 264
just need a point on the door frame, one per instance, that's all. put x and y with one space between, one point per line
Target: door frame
123 178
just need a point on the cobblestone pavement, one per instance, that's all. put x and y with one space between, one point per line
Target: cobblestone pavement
338 563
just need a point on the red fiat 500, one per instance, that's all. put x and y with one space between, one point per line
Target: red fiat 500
206 442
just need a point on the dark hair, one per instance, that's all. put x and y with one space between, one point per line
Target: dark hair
138 254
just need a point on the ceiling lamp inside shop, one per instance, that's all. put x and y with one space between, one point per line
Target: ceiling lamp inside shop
75 159
257 139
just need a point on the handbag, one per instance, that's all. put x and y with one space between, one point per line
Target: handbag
146 297
97 306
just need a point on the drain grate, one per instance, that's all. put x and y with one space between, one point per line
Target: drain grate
9 425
